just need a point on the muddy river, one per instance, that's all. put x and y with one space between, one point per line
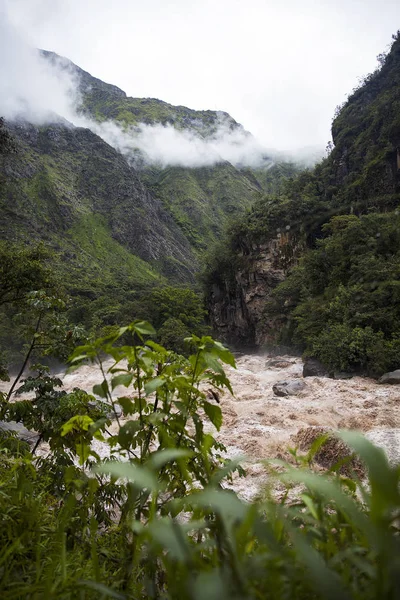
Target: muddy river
261 425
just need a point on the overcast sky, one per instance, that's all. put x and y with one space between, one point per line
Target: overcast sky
279 68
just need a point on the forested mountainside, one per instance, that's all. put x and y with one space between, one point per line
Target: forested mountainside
201 199
317 264
115 226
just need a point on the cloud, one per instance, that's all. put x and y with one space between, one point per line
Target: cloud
30 87
42 90
164 145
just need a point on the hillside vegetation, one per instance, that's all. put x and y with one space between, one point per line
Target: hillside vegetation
331 235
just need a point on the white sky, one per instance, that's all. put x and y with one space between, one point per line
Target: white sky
278 67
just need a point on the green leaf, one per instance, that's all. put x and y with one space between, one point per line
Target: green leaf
127 433
83 450
211 586
127 405
213 363
140 477
122 379
143 328
164 532
159 459
384 480
153 385
214 413
310 505
77 423
224 354
222 502
101 389
325 580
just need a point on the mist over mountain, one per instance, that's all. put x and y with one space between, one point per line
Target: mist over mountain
42 87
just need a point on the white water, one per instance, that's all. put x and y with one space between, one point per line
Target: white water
260 425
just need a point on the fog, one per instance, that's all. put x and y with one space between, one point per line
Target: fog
29 87
41 91
279 70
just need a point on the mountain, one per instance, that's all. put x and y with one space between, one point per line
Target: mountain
119 225
201 199
316 264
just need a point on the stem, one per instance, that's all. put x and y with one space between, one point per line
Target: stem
37 443
190 399
139 384
18 377
148 439
109 396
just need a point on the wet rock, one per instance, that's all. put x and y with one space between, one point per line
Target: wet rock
314 368
342 375
288 388
24 434
332 451
393 377
279 363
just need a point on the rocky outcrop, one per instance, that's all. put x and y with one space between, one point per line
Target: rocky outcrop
314 368
62 175
237 305
392 378
291 387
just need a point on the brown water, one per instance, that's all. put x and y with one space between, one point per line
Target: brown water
260 425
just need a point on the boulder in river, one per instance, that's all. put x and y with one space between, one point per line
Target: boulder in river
393 377
290 387
314 368
24 434
279 363
332 451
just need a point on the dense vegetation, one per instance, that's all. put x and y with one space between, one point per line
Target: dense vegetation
154 520
343 298
139 508
340 223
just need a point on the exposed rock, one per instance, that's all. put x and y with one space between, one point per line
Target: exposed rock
92 179
342 375
237 307
31 437
279 363
288 388
393 377
331 452
314 368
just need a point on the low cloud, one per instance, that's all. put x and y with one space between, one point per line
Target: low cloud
164 145
31 88
42 90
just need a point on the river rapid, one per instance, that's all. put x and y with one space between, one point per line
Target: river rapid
260 425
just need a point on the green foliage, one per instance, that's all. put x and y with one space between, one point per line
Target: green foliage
346 283
179 533
23 270
343 297
177 303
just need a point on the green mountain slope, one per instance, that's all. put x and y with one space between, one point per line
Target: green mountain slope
68 188
201 200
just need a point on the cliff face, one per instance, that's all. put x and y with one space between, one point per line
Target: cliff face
67 187
237 307
360 176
